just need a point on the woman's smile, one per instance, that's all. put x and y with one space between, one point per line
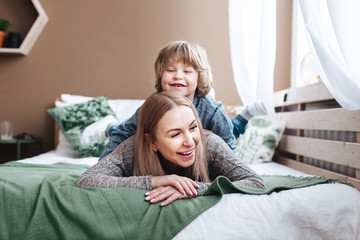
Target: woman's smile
188 154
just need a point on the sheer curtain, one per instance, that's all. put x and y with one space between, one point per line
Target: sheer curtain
252 27
334 39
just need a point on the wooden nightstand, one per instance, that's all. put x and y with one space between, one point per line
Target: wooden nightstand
19 142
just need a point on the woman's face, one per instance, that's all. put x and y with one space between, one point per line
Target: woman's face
177 136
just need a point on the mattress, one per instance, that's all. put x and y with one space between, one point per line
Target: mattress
325 211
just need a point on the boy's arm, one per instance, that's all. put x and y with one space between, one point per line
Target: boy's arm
221 125
125 130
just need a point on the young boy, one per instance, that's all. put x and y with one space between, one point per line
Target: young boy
183 68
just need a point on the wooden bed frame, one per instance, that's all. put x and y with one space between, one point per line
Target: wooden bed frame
312 109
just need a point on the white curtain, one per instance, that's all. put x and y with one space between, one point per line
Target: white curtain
252 27
334 39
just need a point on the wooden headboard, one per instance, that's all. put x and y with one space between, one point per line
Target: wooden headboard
321 138
56 129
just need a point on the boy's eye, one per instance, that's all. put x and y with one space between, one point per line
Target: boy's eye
170 70
188 71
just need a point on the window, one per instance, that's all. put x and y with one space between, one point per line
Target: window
303 69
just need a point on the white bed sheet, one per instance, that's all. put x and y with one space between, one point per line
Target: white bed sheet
326 211
52 157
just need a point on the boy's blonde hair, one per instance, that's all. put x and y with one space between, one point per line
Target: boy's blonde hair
147 162
188 53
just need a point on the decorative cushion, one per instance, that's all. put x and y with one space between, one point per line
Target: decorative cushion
258 143
123 108
73 119
64 147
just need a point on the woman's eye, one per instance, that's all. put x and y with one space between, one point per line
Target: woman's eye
170 70
193 127
175 135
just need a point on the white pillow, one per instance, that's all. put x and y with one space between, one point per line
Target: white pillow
123 108
69 99
65 148
258 143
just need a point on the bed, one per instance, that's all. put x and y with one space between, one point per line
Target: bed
297 205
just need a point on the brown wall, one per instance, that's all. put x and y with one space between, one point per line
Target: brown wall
283 45
107 47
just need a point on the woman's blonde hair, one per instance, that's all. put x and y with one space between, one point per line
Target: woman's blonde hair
147 161
188 53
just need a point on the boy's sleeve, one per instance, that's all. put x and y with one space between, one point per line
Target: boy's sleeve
222 126
239 123
125 130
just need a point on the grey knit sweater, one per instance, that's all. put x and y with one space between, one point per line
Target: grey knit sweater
116 169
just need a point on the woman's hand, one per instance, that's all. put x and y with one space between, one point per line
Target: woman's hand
183 184
167 193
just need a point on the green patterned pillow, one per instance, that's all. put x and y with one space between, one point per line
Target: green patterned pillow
73 119
258 143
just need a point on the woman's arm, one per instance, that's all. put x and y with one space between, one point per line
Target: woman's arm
222 161
115 170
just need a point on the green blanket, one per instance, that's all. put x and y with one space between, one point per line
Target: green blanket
40 202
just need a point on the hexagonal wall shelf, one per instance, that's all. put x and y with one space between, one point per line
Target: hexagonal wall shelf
33 33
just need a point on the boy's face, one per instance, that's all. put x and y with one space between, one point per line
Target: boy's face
180 78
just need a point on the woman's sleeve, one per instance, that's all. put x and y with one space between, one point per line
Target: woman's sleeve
222 161
115 170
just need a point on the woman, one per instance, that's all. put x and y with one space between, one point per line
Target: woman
170 155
